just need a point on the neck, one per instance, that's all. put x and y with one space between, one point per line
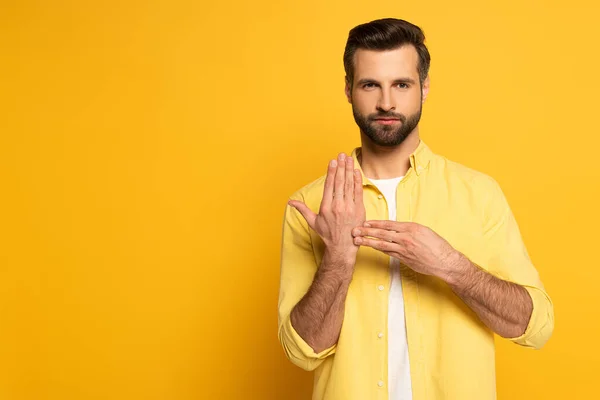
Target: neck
380 162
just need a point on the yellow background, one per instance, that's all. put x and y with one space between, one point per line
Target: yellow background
147 150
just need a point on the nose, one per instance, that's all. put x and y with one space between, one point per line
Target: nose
385 102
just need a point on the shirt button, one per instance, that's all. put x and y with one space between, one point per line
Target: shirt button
380 196
380 383
380 287
380 335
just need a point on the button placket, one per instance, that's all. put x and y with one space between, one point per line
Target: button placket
381 213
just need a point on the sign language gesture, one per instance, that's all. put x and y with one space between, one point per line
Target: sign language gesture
342 208
318 316
416 246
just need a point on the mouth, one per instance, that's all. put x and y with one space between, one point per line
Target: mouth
386 121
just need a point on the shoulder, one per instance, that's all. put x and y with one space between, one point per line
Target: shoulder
479 190
458 173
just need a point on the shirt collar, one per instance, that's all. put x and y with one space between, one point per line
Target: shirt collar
419 160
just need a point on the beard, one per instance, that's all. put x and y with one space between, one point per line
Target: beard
387 135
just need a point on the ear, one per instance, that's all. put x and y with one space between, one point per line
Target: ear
425 88
348 90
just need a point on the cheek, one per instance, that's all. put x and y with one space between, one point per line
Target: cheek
365 103
409 102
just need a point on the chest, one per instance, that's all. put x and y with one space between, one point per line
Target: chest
453 213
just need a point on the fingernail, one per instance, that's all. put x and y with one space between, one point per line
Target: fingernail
367 224
333 163
357 240
357 232
342 156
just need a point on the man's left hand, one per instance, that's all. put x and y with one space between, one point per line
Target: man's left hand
415 245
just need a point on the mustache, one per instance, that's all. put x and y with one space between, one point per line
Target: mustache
387 115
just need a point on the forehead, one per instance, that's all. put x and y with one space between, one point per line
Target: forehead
386 64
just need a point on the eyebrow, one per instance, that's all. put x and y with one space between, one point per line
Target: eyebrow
399 80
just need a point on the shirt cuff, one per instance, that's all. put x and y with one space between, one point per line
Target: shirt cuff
541 322
300 352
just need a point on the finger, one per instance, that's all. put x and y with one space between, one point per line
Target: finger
395 226
339 178
376 244
329 179
349 178
306 212
358 189
376 233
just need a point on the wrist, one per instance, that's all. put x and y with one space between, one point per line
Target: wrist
339 258
458 268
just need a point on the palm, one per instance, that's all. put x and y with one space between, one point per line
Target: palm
342 207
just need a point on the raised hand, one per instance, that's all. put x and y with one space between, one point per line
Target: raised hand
342 208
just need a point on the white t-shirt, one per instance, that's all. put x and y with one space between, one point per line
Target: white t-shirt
399 384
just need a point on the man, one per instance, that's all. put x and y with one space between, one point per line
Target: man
399 265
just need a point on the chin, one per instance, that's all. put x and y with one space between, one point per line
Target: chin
389 142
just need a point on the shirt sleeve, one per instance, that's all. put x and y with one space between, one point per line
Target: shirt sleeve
509 260
298 267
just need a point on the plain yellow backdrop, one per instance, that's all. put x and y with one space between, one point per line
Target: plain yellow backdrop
147 150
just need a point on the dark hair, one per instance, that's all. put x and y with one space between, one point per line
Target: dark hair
386 34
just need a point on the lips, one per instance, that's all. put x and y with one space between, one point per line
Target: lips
386 121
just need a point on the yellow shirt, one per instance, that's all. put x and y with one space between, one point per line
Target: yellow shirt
451 351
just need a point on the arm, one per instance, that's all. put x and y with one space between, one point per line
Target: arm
507 294
506 258
311 299
318 316
504 307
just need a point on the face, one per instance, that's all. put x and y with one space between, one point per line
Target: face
386 94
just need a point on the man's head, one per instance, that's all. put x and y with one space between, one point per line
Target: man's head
387 66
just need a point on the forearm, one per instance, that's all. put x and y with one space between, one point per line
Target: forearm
502 306
319 315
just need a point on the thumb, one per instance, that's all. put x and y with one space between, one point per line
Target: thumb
306 212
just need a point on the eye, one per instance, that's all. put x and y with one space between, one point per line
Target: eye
402 85
368 85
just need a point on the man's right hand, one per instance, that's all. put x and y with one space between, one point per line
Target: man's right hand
318 316
342 209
